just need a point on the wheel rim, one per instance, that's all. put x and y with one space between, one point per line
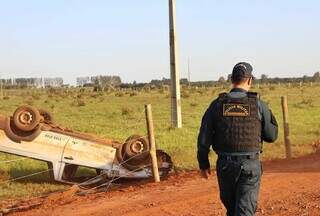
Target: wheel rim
137 147
26 118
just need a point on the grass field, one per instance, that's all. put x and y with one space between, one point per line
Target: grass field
120 114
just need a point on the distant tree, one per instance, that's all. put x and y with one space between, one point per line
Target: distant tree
264 78
221 80
316 77
229 77
305 78
184 81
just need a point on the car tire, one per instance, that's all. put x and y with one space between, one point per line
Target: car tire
136 144
47 116
129 158
16 135
26 118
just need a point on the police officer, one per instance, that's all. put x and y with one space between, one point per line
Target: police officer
235 125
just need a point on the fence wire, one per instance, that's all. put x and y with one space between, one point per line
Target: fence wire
108 183
114 178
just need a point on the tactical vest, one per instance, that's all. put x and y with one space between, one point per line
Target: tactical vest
237 124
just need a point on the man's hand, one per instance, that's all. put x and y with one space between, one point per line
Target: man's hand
205 173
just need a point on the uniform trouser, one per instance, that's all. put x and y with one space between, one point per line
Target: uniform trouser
239 183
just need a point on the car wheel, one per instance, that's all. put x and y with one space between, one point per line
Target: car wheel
16 135
135 145
134 153
47 116
26 118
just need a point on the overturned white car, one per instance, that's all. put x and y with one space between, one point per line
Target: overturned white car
30 132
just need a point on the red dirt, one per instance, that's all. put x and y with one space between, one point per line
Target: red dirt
289 187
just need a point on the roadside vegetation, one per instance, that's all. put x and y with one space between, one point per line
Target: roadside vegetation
119 114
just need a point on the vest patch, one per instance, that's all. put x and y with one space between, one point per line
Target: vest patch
238 110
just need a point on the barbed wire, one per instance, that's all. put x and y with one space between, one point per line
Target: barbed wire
26 176
40 172
107 183
119 177
101 185
120 164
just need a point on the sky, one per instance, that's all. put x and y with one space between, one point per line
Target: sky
73 38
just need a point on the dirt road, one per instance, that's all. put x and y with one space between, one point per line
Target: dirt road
289 187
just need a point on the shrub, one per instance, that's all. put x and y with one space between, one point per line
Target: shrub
35 96
51 91
78 102
4 175
316 146
193 104
101 99
94 95
304 103
185 94
133 94
119 94
146 89
97 88
307 102
272 88
29 101
201 92
161 91
126 111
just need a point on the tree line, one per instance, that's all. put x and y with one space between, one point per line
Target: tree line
111 82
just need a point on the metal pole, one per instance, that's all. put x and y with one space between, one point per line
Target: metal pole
176 119
189 72
285 112
1 89
153 151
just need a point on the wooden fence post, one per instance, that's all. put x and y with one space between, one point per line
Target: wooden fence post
153 151
285 113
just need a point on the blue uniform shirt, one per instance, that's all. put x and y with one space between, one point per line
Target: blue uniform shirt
269 131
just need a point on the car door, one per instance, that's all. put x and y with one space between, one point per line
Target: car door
88 153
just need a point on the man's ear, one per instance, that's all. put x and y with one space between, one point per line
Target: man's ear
250 81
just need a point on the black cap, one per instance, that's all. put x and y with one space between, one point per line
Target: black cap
242 70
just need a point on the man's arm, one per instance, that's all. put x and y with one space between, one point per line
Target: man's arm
205 138
269 124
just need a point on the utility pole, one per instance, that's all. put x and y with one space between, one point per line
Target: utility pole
176 120
189 72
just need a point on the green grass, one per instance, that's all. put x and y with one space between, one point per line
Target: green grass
120 114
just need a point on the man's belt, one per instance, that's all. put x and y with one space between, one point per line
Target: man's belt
239 157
